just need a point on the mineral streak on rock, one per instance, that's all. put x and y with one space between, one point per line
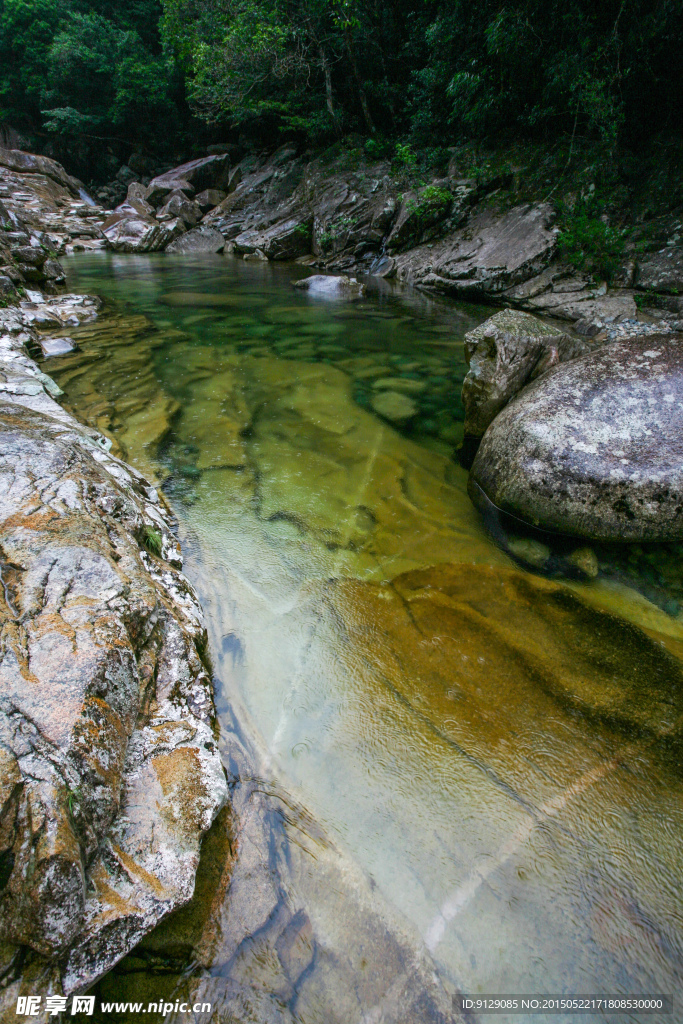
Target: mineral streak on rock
595 447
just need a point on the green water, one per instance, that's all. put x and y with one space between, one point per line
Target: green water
468 776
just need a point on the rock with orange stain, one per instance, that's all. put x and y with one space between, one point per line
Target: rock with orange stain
110 774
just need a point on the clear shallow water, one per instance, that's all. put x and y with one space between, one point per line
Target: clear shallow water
482 766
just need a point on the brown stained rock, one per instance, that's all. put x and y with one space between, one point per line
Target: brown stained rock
595 447
110 772
503 354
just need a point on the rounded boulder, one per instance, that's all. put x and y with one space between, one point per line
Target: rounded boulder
594 448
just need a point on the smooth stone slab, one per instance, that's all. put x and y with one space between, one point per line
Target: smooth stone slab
595 447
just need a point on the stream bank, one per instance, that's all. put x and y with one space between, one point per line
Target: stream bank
351 595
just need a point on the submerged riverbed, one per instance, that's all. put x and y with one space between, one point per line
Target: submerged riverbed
449 774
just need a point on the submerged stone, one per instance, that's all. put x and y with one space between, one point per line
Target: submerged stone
595 447
394 406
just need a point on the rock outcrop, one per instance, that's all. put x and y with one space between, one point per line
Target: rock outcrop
42 201
488 256
200 239
505 353
594 448
110 770
206 172
131 230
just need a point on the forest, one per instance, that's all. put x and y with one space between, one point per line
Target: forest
93 80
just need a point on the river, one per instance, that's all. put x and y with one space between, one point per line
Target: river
449 774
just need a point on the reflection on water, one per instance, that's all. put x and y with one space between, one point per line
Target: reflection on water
448 774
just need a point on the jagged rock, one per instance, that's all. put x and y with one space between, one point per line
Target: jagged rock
210 198
503 354
158 192
178 205
595 447
330 286
136 190
32 163
125 175
136 207
561 292
258 256
490 254
662 271
200 239
110 773
54 271
132 228
42 201
420 215
31 255
133 234
285 240
7 289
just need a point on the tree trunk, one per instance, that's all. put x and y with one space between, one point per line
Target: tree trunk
328 82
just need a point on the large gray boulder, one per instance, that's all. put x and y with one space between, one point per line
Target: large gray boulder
595 447
505 353
200 239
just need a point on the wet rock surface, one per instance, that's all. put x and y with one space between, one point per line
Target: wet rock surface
329 285
595 447
111 773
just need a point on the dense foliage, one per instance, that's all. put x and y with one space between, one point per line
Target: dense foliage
426 75
87 78
434 71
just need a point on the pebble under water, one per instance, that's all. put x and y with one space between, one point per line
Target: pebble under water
449 773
